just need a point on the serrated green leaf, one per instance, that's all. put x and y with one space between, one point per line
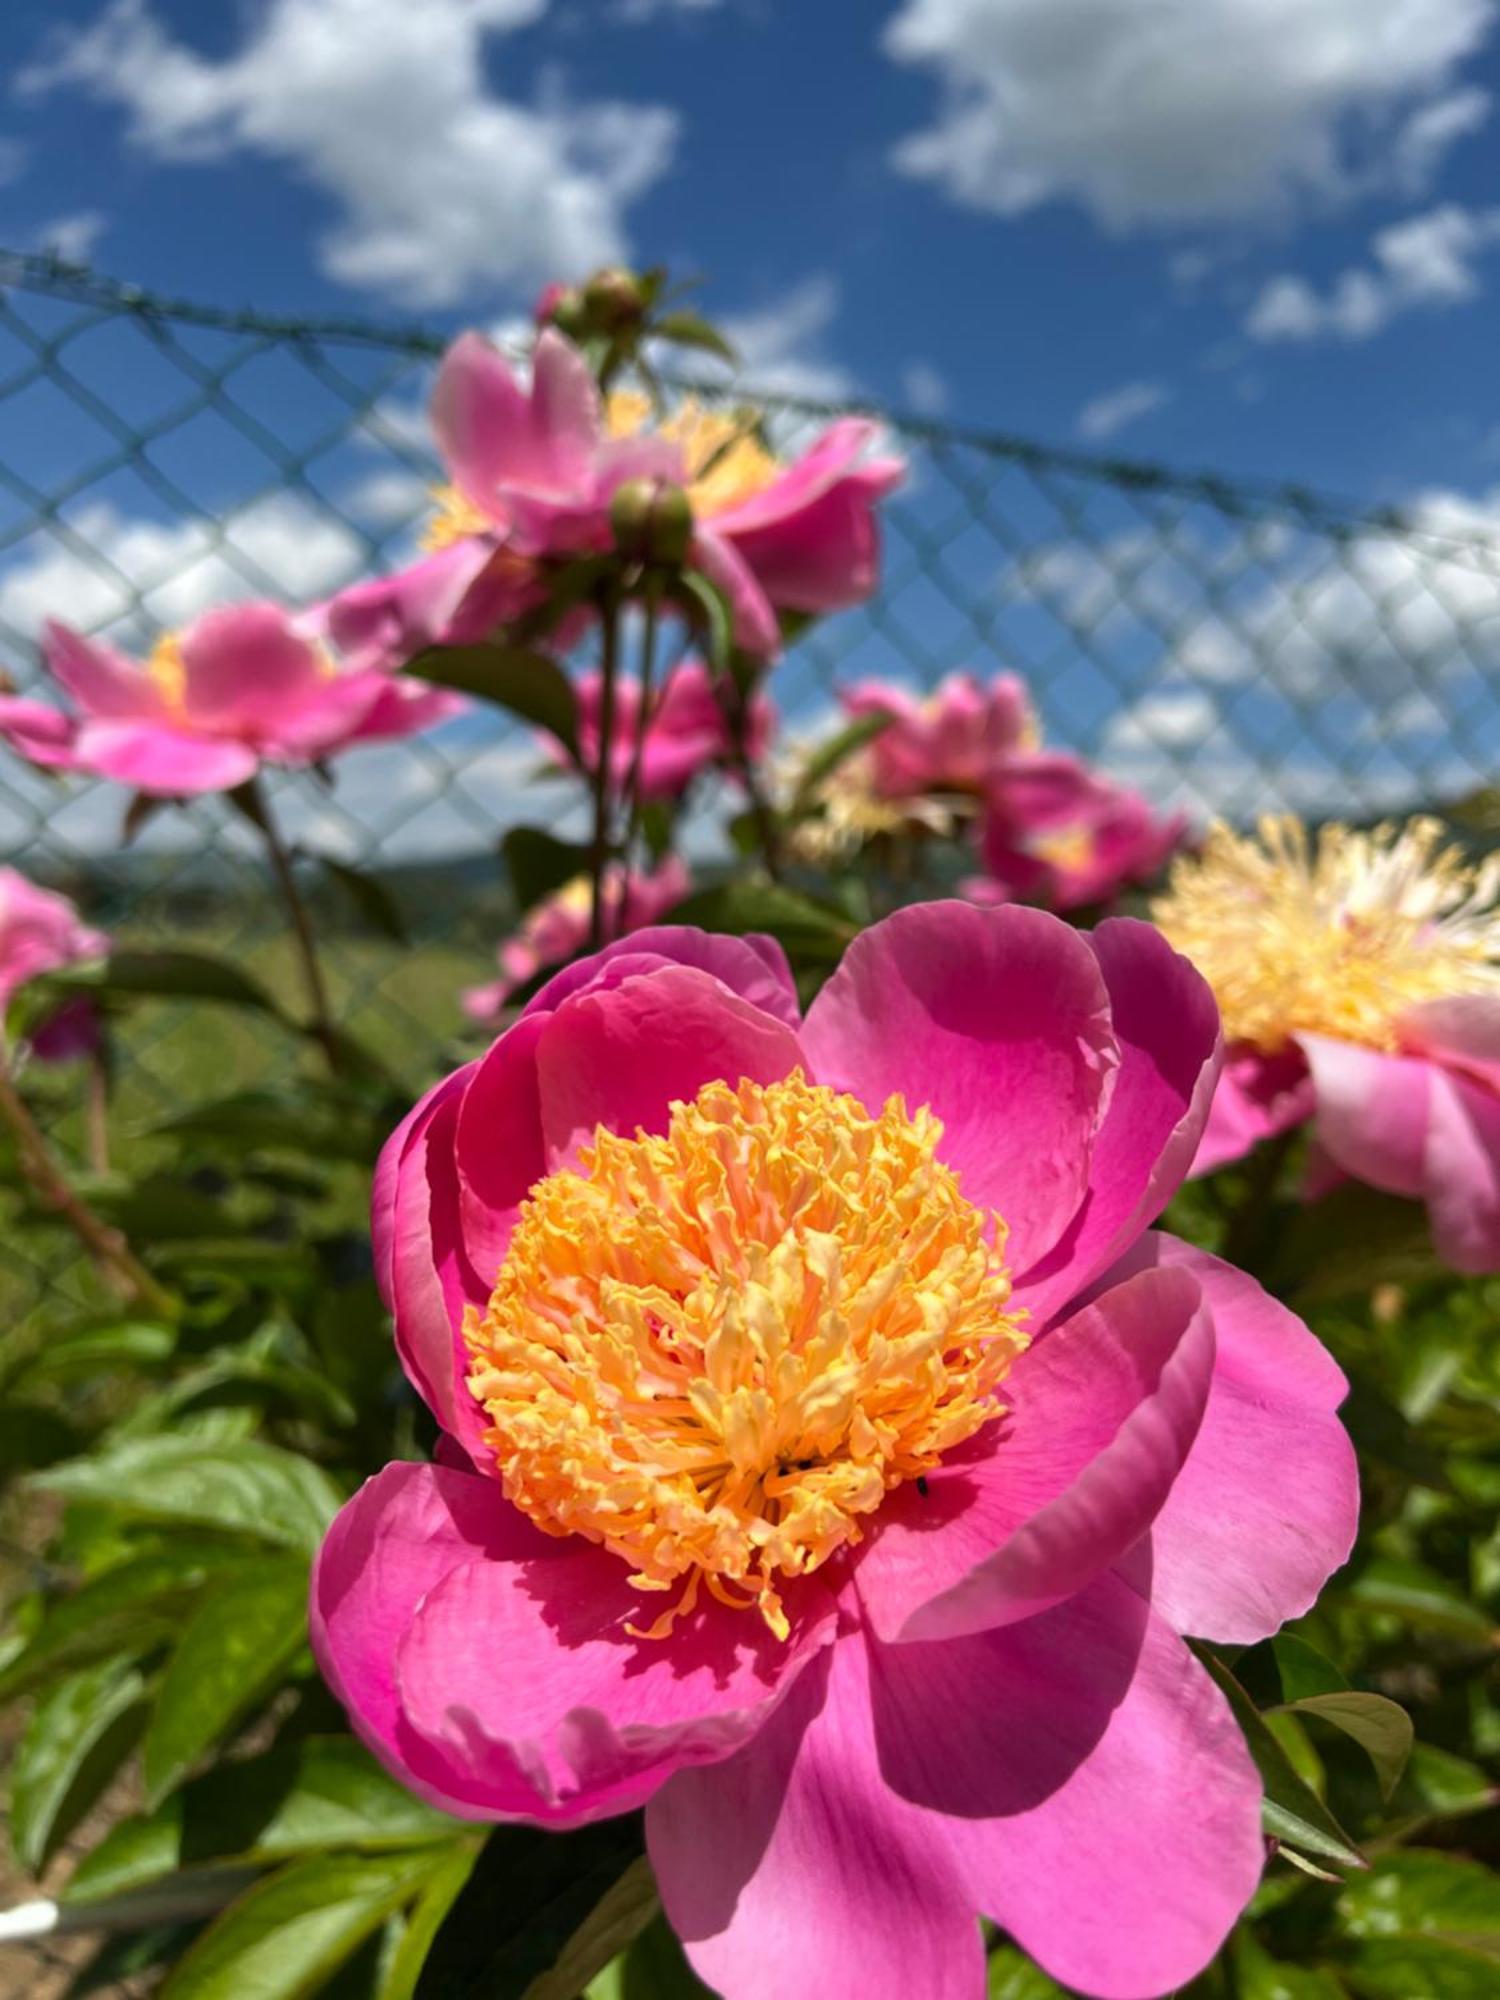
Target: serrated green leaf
79 1734
528 684
242 1635
540 863
1291 1812
249 1488
288 1934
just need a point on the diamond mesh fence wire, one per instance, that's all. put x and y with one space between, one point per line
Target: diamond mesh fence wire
1223 646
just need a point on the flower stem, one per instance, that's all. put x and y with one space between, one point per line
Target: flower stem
103 1242
645 718
609 661
736 706
258 807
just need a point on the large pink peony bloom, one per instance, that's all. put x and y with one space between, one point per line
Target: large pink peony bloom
959 738
945 1551
238 688
1359 977
1059 833
557 928
534 470
688 734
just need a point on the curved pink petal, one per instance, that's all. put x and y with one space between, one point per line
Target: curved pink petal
1237 1550
824 557
41 931
401 1534
493 434
1102 1415
1166 1022
830 459
524 1680
1462 1033
405 708
498 1151
385 621
998 1019
166 763
104 683
1461 1171
1087 1782
42 734
751 613
621 1056
753 966
1372 1111
796 1854
1258 1096
247 668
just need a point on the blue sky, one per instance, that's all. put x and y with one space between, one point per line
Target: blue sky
1256 234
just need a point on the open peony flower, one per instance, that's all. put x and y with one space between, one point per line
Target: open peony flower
688 733
557 928
958 738
239 687
1057 833
1358 975
834 1458
533 471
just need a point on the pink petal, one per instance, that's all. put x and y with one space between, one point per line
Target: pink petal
493 435
753 966
166 763
40 733
387 620
750 610
1258 1096
1166 1022
1087 1782
103 683
829 460
794 1867
1462 1033
1102 1415
1372 1111
497 1143
1235 1552
619 1057
997 1019
401 1534
822 558
1461 1170
246 668
522 1679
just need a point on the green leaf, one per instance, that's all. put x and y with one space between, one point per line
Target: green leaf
133 1606
33 1435
79 1734
426 1920
284 1937
242 1635
654 1968
372 898
811 934
709 614
690 329
1258 1976
1285 1675
528 684
539 862
1291 1812
1351 1241
1437 1786
328 1125
528 1893
1013 1976
92 1351
1381 1728
1418 1596
301 1797
1286 1669
1423 1923
170 975
827 758
249 1488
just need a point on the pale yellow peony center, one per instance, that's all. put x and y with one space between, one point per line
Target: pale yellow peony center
164 665
1072 849
715 1351
723 459
456 519
1335 933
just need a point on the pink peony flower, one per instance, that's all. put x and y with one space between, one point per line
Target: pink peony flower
534 471
688 733
1058 833
41 932
854 1533
238 688
557 928
959 738
1359 979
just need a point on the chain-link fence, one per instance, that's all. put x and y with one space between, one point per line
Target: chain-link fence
1221 645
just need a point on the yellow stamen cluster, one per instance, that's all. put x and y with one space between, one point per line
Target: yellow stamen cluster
1335 933
714 1351
1071 849
724 461
164 665
456 519
851 812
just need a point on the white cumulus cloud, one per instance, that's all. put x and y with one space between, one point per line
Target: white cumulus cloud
1427 261
442 186
1176 110
1105 415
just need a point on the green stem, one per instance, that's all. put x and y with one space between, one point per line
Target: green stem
736 706
1246 1227
321 1024
645 718
609 659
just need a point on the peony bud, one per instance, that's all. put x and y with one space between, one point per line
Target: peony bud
613 299
652 522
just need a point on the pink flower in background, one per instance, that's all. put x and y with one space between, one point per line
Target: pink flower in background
688 733
958 738
1359 979
1058 833
238 688
535 469
557 928
834 1457
41 932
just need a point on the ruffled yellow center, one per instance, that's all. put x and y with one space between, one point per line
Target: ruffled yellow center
456 519
1335 933
715 1351
164 665
724 461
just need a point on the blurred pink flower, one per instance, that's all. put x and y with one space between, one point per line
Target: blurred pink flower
728 1339
688 733
1058 833
557 928
534 470
240 687
41 932
958 738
